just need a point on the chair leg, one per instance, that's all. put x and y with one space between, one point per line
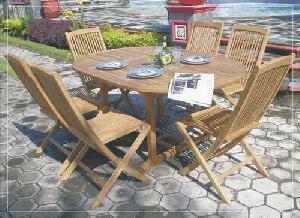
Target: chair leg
201 161
72 166
44 144
256 161
70 157
120 168
231 99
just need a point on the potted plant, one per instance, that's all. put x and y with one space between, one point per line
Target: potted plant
192 2
50 9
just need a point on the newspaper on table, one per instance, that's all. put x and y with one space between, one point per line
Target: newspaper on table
192 88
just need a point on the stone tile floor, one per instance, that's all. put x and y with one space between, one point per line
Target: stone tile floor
29 186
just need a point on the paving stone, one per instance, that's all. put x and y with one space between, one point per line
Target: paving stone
291 214
288 144
280 173
203 206
222 167
167 186
297 176
49 196
237 182
250 198
30 177
72 201
22 207
193 190
49 211
250 172
125 209
33 165
73 184
105 206
120 193
296 154
21 142
277 135
291 188
265 186
27 191
161 171
298 203
268 161
268 126
11 174
50 181
291 165
276 120
277 153
15 162
8 186
51 168
174 202
287 128
280 202
258 132
6 201
17 151
264 211
266 143
296 137
147 197
142 185
233 210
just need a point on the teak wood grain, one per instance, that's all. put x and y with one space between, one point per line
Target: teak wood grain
225 70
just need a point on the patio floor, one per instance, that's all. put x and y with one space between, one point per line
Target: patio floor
34 189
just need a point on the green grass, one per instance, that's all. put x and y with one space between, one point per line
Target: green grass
7 69
36 47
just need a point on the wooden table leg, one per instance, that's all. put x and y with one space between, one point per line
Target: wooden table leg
160 107
151 138
104 97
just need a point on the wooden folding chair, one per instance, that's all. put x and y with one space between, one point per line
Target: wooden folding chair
230 127
205 37
87 41
31 83
94 133
247 45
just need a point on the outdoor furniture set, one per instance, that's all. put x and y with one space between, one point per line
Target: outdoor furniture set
238 71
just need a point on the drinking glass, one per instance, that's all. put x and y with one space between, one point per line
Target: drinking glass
177 53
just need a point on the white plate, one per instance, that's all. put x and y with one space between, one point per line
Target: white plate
111 65
143 73
196 59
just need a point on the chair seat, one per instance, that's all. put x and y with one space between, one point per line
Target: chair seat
230 89
209 121
84 106
110 126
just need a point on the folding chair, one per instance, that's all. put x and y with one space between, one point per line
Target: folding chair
247 45
34 88
205 37
93 133
89 41
230 127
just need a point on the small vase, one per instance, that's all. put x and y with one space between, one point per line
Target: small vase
50 9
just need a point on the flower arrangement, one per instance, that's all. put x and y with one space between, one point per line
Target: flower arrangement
77 21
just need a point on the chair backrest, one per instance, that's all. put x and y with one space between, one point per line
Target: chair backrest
64 104
261 88
33 86
85 41
205 36
247 44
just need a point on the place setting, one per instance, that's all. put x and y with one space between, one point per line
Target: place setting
111 65
196 59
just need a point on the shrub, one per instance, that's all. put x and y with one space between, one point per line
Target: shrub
16 26
119 38
49 32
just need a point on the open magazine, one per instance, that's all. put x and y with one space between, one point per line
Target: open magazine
192 88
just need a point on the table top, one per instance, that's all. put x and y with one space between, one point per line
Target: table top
224 69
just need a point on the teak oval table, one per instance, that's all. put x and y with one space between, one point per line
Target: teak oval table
224 69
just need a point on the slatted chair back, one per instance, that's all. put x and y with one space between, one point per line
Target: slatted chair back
247 45
85 41
33 86
205 36
260 91
64 104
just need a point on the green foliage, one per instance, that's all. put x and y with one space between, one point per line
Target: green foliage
15 26
7 69
120 38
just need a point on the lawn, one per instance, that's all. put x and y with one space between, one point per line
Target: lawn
6 68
